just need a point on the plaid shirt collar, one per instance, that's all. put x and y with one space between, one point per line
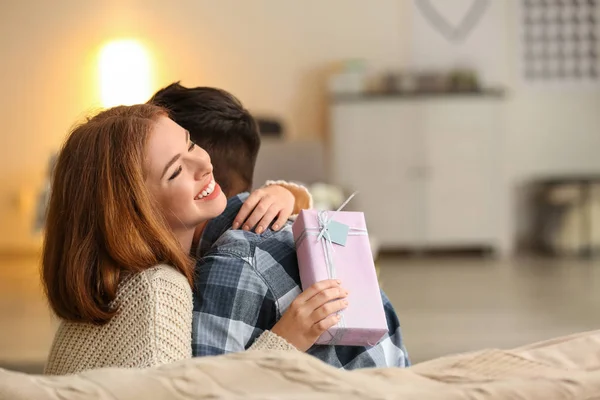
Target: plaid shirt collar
221 224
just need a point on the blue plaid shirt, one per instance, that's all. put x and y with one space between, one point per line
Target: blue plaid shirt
244 283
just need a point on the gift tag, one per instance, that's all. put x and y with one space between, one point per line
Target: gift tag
338 232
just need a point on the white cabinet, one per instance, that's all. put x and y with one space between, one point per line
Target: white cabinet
369 155
427 168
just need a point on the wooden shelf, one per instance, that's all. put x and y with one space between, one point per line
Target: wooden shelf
352 97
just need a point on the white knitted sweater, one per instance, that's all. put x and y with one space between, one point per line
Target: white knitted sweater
153 326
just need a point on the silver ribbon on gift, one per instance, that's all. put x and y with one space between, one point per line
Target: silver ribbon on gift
322 234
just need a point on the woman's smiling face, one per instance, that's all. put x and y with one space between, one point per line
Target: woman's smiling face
179 176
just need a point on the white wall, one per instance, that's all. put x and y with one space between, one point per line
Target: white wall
271 53
549 130
484 49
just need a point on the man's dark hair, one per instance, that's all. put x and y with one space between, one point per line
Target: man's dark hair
219 123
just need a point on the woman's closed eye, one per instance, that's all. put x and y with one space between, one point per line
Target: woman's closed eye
180 168
176 173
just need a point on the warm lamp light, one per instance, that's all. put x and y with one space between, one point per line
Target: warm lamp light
124 73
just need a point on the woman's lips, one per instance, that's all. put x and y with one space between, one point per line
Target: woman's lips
211 192
207 190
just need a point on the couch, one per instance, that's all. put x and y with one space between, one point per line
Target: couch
562 368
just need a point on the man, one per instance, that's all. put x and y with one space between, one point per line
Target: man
246 279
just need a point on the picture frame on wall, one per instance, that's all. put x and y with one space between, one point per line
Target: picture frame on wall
559 43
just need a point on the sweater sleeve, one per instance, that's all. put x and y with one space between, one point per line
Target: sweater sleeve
152 326
173 316
303 197
270 341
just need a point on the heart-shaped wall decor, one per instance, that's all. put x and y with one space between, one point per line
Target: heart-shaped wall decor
459 32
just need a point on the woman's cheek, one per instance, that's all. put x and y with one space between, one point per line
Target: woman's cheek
181 195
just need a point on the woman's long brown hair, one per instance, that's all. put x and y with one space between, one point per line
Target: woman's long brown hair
102 224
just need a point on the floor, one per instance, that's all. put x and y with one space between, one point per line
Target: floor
26 324
446 305
454 305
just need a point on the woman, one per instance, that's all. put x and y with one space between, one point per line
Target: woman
121 222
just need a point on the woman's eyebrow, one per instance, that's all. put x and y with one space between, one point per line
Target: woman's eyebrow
176 157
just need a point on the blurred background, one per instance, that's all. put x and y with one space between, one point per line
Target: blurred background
470 128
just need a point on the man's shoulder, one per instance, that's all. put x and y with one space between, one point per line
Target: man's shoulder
233 242
269 257
247 244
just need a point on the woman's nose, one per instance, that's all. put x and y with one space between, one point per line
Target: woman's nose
203 165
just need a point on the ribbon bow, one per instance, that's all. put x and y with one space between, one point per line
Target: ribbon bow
324 219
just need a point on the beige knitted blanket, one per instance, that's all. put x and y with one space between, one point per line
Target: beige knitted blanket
564 368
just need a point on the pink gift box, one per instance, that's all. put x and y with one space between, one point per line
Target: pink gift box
363 322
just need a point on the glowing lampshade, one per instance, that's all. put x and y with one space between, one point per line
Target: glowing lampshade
124 73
